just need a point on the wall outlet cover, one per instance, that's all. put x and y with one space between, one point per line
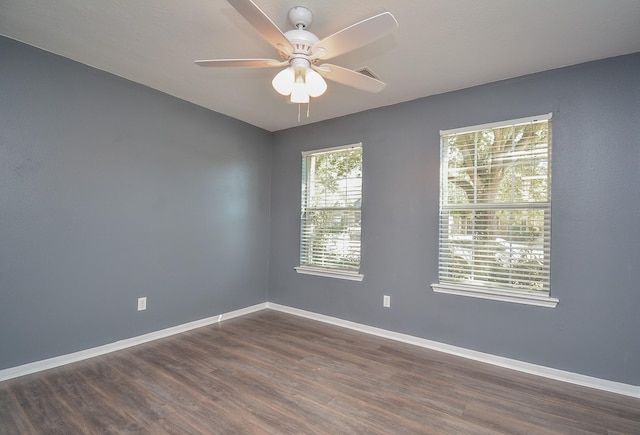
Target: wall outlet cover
142 304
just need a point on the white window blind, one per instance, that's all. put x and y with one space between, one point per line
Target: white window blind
495 207
331 212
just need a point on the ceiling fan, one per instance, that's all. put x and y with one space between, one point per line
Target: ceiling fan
301 52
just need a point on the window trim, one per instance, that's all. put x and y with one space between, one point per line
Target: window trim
491 125
527 298
327 272
308 270
488 292
331 149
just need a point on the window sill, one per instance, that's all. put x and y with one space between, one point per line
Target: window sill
497 295
353 276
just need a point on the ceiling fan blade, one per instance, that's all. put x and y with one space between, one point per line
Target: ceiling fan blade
349 77
241 63
263 24
355 36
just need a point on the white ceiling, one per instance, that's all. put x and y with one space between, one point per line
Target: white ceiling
441 45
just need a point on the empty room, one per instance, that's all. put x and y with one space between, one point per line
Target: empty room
319 217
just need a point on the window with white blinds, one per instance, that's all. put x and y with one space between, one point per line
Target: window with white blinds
495 211
331 212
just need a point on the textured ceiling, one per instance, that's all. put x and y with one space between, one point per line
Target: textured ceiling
441 45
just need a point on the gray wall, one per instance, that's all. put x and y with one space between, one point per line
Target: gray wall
595 240
110 191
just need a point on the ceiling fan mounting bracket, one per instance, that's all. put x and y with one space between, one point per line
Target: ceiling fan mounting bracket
300 16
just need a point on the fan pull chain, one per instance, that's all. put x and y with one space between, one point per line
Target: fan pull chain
308 110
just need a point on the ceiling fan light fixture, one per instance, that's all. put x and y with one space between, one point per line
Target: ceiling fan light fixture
283 81
315 84
299 93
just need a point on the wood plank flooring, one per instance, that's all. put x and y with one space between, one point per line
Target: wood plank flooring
273 373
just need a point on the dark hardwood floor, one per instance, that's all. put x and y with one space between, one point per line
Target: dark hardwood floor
270 372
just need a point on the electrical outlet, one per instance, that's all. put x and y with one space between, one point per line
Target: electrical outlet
142 304
386 301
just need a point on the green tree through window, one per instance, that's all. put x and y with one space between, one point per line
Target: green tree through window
330 216
495 207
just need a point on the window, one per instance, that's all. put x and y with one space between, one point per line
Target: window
330 213
495 211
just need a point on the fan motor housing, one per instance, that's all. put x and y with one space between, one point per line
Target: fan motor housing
301 40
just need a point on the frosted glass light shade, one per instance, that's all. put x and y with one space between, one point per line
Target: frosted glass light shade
299 93
315 83
283 81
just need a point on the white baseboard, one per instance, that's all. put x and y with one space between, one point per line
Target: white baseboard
25 369
547 372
